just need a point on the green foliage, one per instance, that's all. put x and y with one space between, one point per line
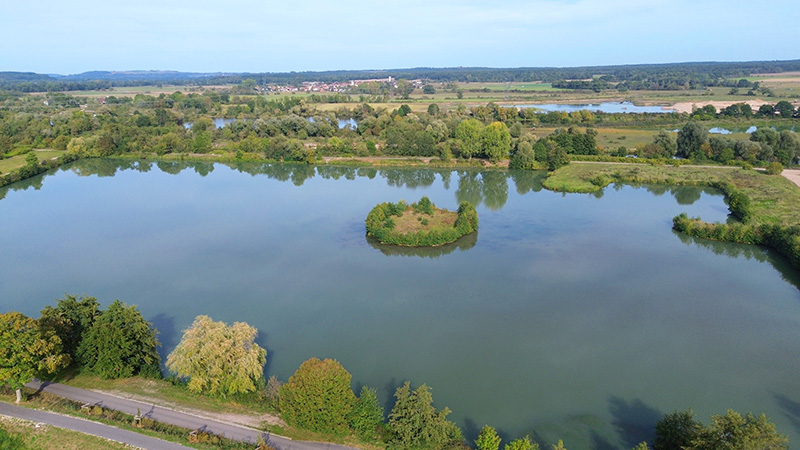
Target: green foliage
367 414
379 224
219 359
424 206
10 441
556 158
415 423
524 158
70 319
495 141
641 446
774 168
523 443
690 140
318 397
487 439
120 344
27 350
676 430
732 431
560 445
468 132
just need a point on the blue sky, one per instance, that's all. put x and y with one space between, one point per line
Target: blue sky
74 36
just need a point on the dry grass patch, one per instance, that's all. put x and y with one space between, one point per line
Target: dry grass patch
412 221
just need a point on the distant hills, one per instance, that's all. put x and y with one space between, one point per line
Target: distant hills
687 75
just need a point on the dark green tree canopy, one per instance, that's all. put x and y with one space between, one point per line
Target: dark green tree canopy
120 344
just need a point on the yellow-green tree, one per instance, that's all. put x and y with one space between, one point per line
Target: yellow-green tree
27 350
318 397
217 358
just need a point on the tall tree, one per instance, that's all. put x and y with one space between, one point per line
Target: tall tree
217 358
468 132
367 414
496 141
676 430
70 319
318 397
487 439
415 423
690 140
27 350
732 431
119 344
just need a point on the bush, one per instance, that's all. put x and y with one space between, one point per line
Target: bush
774 168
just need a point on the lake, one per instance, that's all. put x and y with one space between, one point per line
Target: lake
580 317
605 107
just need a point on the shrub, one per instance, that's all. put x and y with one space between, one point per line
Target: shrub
774 168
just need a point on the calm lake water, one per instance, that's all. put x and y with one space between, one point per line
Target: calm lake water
572 316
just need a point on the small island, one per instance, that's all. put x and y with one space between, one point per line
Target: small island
420 224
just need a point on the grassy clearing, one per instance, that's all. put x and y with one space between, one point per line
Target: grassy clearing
15 162
774 199
411 221
48 437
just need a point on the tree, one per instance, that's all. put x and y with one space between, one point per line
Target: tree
433 109
27 351
70 320
524 158
559 446
428 89
523 443
732 431
487 439
785 109
120 344
31 160
690 140
217 358
676 430
557 157
367 414
415 423
496 141
667 143
318 397
468 132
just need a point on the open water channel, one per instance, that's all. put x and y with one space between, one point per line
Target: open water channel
568 316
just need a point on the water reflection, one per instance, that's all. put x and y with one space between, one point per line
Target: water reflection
463 243
760 254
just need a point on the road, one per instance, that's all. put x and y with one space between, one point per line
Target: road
88 427
181 419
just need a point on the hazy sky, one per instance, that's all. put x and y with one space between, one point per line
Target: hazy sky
74 36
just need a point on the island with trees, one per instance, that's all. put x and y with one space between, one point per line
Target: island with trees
420 224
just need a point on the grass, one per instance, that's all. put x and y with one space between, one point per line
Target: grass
167 393
412 221
773 198
49 437
15 162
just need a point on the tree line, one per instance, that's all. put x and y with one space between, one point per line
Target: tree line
217 359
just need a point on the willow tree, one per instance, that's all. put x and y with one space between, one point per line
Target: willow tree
27 350
217 358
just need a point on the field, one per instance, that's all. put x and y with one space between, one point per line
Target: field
15 162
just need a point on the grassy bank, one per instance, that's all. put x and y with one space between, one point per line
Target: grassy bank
49 437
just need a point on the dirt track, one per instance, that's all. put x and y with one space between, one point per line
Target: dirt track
792 175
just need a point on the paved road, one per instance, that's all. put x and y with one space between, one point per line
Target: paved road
165 415
88 427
